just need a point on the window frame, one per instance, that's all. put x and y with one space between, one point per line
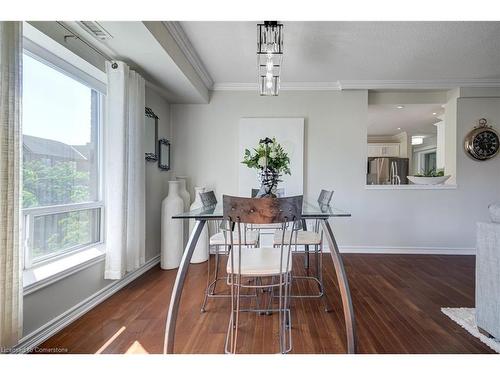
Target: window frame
426 160
29 214
420 157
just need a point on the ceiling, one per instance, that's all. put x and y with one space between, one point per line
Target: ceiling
336 51
148 47
141 46
414 119
184 60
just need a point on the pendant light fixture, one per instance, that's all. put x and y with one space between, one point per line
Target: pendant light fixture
269 57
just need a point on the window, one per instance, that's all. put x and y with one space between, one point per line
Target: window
429 162
61 196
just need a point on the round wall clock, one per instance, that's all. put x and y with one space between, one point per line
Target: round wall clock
482 142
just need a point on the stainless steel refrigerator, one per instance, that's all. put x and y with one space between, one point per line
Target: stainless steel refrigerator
387 171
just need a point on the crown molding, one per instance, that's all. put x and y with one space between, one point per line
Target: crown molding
284 86
310 86
364 85
417 84
234 86
175 29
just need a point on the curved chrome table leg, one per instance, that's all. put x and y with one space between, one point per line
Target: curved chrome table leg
173 307
344 287
306 247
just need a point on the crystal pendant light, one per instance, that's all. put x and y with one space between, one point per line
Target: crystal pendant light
269 57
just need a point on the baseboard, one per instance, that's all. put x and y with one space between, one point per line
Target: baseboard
49 329
381 249
397 250
407 250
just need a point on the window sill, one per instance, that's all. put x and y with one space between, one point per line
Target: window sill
411 187
40 276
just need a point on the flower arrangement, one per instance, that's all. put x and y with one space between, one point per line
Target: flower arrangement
268 154
272 161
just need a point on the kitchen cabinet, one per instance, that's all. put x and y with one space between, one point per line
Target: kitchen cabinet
383 149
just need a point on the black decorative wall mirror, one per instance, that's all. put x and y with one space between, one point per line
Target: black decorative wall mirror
164 154
151 136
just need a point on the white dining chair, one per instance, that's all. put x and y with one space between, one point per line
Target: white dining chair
265 228
272 266
313 238
218 244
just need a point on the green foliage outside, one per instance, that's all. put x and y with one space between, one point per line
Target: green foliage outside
45 185
61 183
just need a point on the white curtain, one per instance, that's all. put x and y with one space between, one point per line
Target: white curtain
11 296
124 167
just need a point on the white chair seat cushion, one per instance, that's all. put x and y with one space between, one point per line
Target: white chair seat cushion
251 238
267 226
260 261
303 237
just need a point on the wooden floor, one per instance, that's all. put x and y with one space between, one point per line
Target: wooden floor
397 301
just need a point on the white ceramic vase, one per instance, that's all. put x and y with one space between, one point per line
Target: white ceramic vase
187 202
428 180
172 240
200 253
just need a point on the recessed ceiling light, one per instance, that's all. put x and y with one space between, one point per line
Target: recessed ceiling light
399 128
434 113
400 106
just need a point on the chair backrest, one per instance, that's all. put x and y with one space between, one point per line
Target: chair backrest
262 210
325 197
279 192
208 198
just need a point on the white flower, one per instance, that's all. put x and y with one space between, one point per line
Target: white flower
262 162
272 154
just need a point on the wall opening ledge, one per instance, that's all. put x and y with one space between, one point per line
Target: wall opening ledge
411 187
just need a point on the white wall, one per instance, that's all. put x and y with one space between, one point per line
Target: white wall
440 144
450 136
335 157
403 145
289 133
206 146
156 179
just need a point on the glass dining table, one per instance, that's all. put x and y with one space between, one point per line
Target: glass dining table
310 210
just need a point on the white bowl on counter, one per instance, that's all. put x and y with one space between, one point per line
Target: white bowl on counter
428 180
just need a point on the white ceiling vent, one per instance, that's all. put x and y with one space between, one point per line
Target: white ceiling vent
95 29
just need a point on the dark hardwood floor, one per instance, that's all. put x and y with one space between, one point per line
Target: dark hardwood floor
397 301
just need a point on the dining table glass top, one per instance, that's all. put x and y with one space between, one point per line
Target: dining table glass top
310 210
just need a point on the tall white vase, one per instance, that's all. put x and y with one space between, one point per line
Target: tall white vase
172 241
201 250
187 202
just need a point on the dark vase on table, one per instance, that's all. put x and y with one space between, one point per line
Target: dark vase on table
269 179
